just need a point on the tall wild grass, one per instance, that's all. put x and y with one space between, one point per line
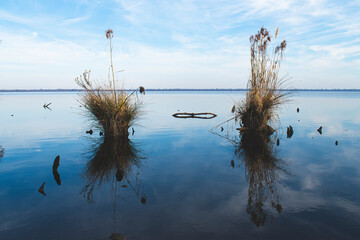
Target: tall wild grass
115 110
264 95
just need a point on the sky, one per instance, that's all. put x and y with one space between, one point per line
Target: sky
176 44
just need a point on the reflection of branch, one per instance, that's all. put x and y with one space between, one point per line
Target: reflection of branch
221 124
232 141
1 152
55 170
136 189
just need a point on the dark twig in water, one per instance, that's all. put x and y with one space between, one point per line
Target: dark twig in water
46 106
211 130
41 189
289 131
1 152
320 130
90 132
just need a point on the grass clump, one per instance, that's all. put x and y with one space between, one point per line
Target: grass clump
264 94
114 113
115 110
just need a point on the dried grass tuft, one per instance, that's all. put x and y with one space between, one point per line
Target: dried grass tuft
114 110
114 113
264 85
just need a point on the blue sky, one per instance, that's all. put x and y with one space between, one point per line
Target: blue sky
175 44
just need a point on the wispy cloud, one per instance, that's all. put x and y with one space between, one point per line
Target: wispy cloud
74 20
13 18
323 39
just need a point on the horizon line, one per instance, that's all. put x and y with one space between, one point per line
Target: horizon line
178 89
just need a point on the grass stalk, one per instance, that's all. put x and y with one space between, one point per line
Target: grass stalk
109 35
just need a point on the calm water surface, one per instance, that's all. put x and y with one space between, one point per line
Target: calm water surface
175 179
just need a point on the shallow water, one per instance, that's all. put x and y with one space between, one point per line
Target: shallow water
184 182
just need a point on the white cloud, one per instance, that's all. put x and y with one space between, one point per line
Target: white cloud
172 44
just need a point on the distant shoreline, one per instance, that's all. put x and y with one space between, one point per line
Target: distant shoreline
183 90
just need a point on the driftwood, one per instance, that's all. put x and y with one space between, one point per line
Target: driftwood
194 115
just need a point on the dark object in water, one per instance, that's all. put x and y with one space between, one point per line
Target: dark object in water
289 131
101 133
277 142
221 129
90 132
232 163
119 175
12 115
41 189
133 131
297 110
1 152
336 143
194 115
46 106
142 89
143 200
55 170
233 109
124 186
320 130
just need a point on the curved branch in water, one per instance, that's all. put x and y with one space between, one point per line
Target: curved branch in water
205 115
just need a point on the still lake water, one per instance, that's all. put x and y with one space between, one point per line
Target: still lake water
182 182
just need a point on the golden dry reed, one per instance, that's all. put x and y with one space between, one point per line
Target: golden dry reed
264 95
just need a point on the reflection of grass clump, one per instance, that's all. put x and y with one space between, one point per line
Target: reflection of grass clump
263 95
262 169
115 110
115 157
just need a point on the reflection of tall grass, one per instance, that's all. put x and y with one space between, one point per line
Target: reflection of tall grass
263 96
262 168
113 158
115 110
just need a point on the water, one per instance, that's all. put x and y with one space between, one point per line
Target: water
181 181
